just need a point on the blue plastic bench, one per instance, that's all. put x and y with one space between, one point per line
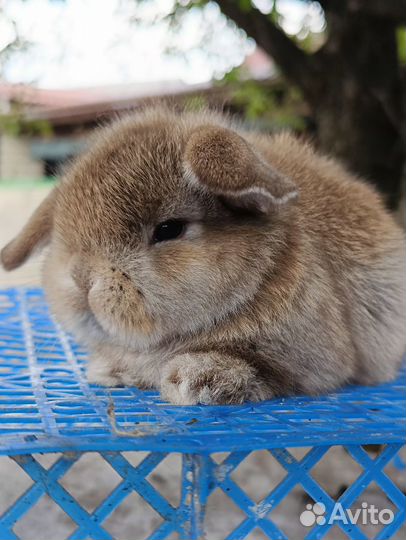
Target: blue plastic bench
46 405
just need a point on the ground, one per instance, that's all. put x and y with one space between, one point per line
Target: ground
91 479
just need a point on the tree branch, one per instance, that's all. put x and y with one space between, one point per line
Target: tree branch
390 9
394 10
299 67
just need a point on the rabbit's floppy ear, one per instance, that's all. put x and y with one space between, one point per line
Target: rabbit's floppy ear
34 235
222 162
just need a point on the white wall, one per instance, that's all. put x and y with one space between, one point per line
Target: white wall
16 161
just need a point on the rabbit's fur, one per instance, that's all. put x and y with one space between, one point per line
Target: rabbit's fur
289 278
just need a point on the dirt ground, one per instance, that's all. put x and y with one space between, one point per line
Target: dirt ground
91 479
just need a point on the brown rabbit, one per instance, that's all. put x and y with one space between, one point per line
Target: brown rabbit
220 265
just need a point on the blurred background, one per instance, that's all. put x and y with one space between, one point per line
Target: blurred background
333 71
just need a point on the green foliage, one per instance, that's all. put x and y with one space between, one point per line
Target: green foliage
273 104
401 40
42 182
274 14
245 5
16 124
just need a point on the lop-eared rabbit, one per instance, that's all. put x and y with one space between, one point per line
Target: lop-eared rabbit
219 265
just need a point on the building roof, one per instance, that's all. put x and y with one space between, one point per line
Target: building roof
81 105
86 104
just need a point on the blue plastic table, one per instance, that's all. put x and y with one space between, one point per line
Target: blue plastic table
46 405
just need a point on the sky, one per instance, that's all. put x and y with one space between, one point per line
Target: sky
84 43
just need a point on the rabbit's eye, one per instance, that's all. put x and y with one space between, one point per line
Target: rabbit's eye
169 230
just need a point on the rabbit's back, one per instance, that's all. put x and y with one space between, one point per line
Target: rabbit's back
361 250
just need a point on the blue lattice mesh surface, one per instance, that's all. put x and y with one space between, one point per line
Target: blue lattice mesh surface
47 405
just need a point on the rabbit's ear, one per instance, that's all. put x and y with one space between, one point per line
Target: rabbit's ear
34 235
222 162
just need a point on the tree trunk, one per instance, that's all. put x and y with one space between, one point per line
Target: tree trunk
353 84
358 108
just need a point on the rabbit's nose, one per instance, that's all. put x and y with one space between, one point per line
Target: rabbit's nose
81 276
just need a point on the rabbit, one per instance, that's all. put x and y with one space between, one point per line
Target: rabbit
219 265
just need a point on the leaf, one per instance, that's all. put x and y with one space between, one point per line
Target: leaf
245 5
401 42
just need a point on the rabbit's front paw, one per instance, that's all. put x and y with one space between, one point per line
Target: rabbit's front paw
103 375
212 379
